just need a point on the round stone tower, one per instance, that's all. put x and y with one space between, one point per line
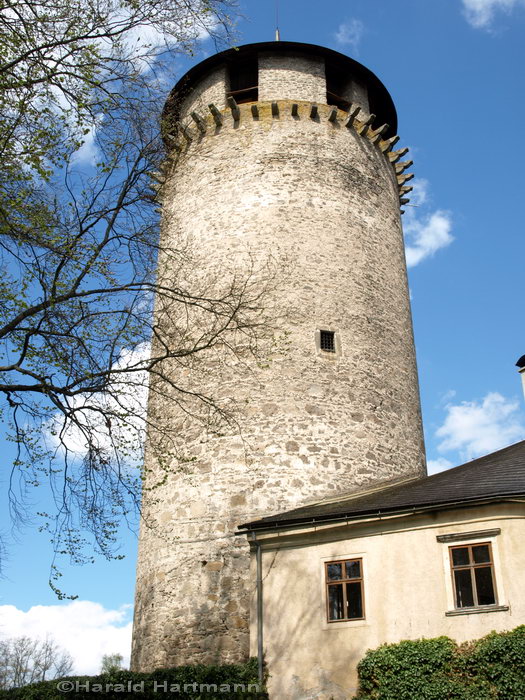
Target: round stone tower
281 158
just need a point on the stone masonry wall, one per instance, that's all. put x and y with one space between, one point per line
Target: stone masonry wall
284 77
210 89
322 202
359 96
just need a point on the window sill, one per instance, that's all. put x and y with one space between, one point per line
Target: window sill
350 619
477 610
345 624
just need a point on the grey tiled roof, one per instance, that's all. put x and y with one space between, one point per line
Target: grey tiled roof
496 476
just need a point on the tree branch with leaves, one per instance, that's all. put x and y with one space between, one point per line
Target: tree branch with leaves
79 247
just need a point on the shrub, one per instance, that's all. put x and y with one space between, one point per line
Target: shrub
492 668
408 670
499 658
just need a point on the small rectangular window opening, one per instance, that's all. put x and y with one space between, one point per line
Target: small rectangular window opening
243 79
344 590
337 87
473 575
327 341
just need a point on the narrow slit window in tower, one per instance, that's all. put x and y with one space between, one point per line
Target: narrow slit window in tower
338 87
327 341
243 80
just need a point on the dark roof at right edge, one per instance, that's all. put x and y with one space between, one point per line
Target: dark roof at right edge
497 475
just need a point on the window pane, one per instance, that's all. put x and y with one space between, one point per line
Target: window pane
354 601
481 553
484 585
335 572
335 602
353 569
464 596
460 556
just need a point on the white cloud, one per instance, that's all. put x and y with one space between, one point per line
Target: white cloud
124 404
349 33
188 23
427 236
425 233
88 153
447 396
438 465
83 628
475 428
480 13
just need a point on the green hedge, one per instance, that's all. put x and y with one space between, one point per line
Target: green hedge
149 686
492 668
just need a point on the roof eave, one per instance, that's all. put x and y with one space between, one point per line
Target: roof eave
273 526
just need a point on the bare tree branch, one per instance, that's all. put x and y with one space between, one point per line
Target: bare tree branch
24 661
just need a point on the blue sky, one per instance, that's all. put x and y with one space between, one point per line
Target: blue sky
455 71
